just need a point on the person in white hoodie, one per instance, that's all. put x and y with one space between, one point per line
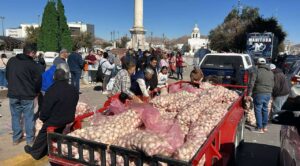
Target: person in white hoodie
107 68
163 77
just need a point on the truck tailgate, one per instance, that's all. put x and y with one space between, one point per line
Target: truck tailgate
227 76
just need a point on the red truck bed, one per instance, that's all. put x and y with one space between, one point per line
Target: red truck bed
218 149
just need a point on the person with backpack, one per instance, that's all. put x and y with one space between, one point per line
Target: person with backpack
104 71
76 64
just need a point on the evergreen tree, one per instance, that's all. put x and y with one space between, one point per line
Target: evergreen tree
64 35
48 37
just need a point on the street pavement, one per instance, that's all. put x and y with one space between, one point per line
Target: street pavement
258 149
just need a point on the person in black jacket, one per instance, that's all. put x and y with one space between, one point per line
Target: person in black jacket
41 61
154 80
281 89
75 63
58 110
24 77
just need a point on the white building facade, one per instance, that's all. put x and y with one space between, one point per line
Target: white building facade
196 42
75 27
80 27
19 32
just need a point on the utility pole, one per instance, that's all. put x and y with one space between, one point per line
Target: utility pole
163 39
111 38
151 39
118 36
39 20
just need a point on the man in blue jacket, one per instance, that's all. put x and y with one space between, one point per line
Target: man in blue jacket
140 82
76 64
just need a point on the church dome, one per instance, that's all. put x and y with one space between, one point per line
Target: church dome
196 29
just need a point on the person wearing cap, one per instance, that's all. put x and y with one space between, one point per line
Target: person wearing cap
62 58
58 110
281 89
261 87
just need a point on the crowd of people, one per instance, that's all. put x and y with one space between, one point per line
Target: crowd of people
146 71
57 87
106 67
133 76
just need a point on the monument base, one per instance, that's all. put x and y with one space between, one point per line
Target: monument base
138 40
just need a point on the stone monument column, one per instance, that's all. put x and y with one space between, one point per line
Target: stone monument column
138 14
138 32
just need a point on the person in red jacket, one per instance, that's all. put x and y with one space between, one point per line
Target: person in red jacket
92 61
172 61
179 65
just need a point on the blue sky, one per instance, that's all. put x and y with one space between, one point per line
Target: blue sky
174 18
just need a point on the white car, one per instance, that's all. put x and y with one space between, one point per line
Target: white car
50 56
294 77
